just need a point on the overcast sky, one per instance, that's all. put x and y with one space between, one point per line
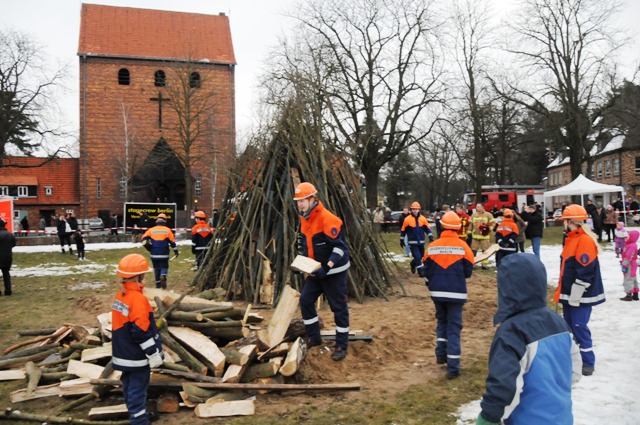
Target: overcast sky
256 26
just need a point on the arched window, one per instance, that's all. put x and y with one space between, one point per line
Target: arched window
123 77
160 78
194 80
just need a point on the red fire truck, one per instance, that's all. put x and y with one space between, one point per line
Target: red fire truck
504 196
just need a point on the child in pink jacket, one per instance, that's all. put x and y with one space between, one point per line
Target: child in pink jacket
620 236
629 266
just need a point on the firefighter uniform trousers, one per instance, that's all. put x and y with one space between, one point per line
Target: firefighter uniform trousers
334 287
448 329
578 319
160 268
134 388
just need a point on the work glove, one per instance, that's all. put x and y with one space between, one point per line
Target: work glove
422 271
402 243
176 252
482 421
575 296
624 269
321 272
430 237
155 360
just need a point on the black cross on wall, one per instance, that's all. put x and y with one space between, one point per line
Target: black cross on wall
159 99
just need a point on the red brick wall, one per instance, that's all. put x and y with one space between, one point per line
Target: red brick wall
103 135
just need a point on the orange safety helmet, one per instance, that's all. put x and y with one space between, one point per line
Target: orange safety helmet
162 216
200 214
574 212
507 212
416 205
132 265
450 220
304 190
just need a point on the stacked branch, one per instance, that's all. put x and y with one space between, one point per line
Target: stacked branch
257 241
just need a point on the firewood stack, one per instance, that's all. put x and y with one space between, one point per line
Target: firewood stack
256 241
217 357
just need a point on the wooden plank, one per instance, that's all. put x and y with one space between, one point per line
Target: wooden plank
294 358
80 386
12 374
209 352
226 408
287 307
40 392
105 324
234 372
119 411
486 253
304 264
91 354
88 370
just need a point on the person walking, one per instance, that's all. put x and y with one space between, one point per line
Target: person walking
480 228
322 237
25 225
534 221
506 236
158 239
378 218
113 224
73 223
580 286
201 234
64 233
7 243
415 227
405 214
533 359
136 344
43 226
446 266
629 267
610 221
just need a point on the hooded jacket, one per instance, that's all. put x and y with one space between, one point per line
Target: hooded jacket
533 357
630 254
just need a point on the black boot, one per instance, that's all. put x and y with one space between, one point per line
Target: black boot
635 296
627 297
70 251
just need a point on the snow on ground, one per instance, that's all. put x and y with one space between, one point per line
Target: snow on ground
609 396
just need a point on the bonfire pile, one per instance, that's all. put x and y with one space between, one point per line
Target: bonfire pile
217 358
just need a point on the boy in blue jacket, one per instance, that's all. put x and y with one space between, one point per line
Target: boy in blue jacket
533 359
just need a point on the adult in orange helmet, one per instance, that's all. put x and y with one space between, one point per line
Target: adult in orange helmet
481 223
446 267
322 238
160 238
415 227
201 234
580 286
136 345
506 236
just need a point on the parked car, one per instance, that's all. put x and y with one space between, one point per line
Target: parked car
96 224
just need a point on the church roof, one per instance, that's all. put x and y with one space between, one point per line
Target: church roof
127 32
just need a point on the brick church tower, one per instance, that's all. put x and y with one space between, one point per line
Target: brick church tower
157 109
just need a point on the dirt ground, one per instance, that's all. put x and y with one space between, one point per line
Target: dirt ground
400 355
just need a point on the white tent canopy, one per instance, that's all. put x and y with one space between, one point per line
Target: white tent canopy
583 186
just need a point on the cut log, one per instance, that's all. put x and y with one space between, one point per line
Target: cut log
189 375
286 309
226 408
91 340
280 350
48 419
234 372
188 358
234 356
185 400
232 313
36 332
175 366
33 374
18 361
168 402
294 358
99 390
186 304
79 332
214 294
58 336
92 354
262 370
272 380
196 394
228 334
33 341
12 375
229 396
186 316
304 264
119 411
25 352
207 351
40 392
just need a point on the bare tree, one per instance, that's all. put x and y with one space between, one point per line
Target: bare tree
568 49
27 103
374 72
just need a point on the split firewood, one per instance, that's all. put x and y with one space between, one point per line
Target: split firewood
104 413
261 370
294 358
105 324
267 287
97 353
79 386
196 394
22 416
280 350
78 332
226 408
12 375
304 264
234 372
229 396
91 340
206 350
168 402
234 356
285 310
185 400
40 392
88 370
58 336
296 328
188 358
33 377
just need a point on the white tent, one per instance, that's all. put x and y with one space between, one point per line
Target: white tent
583 186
